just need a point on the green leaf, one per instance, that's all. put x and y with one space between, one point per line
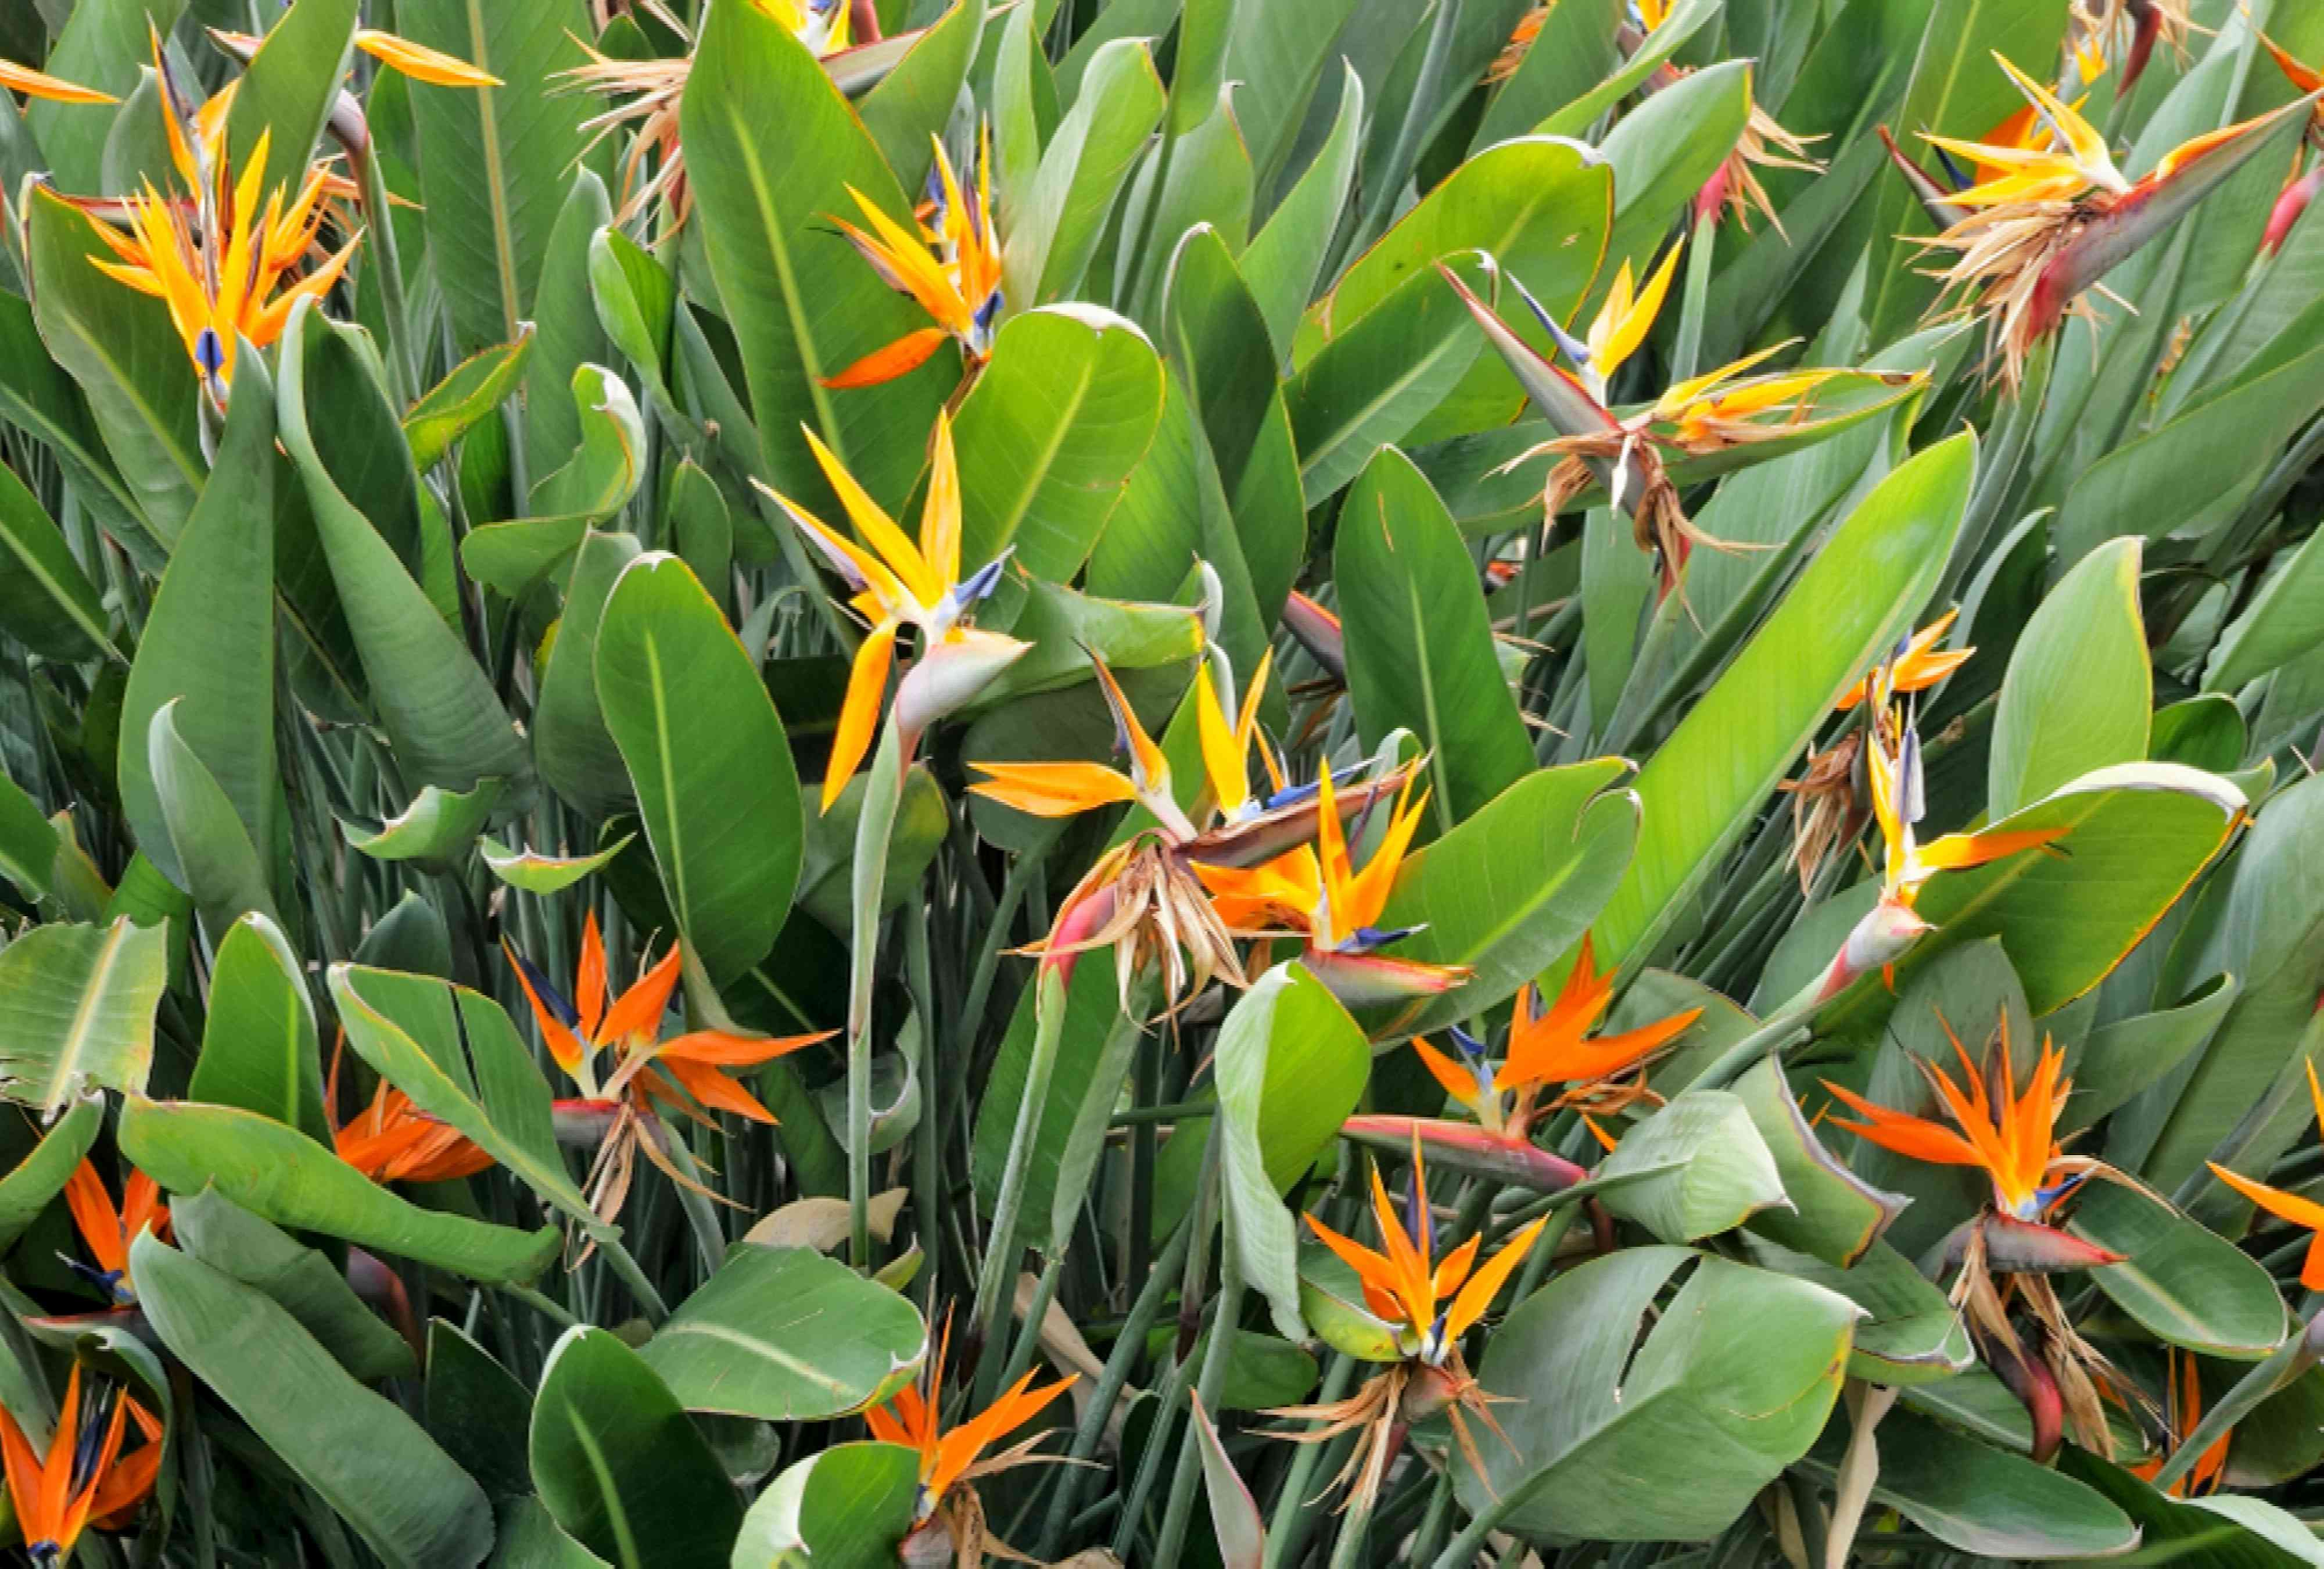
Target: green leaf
1714 774
705 752
1279 53
2171 477
2120 1059
1571 53
1285 260
786 1334
1373 383
260 1050
845 1508
570 315
1291 1065
826 866
478 1411
281 1175
287 90
77 1011
208 650
1910 1334
456 1054
535 872
576 755
33 1183
2134 838
301 1282
122 348
1053 236
803 305
489 157
40 399
1508 891
596 484
439 710
1976 1498
913 102
2223 1531
1694 1170
1059 416
1420 652
1664 150
2285 621
372 1463
214 857
101 44
2182 1282
1622 1431
46 601
2078 691
436 827
473 389
1833 1213
618 1464
1685 19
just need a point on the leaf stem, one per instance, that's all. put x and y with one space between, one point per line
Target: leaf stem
883 790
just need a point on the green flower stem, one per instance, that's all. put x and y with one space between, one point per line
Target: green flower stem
883 791
539 1303
1226 1310
403 362
1000 1243
928 1169
1129 1346
1174 1391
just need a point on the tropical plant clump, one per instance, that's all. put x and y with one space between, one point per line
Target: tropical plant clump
1275 783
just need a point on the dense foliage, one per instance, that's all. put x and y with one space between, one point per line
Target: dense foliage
1368 782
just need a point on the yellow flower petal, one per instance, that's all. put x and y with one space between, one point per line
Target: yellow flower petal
419 62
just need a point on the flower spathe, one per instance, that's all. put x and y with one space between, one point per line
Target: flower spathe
950 268
896 584
83 1479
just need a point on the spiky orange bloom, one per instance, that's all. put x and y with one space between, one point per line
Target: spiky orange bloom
1432 1302
896 584
393 1140
1555 1046
83 1478
1917 666
2306 1214
106 1232
2008 1136
32 84
950 268
951 1457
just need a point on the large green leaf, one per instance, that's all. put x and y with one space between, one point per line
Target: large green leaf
1574 51
2078 691
1683 20
373 1464
287 90
1290 1066
442 713
492 160
39 398
1054 234
1279 53
568 320
217 859
122 348
1694 1170
705 754
803 305
1286 255
1976 1498
913 102
2134 837
309 1287
47 602
1910 1334
1508 891
620 1465
1831 1212
456 1054
35 1180
208 650
260 1050
786 1334
2285 621
2221 1531
281 1175
576 755
1714 774
1627 1427
2180 1282
77 1010
1060 415
844 1507
1420 650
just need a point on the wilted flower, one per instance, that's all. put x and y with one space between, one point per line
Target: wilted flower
84 1478
1430 1303
2129 28
946 1509
896 584
950 268
646 1071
